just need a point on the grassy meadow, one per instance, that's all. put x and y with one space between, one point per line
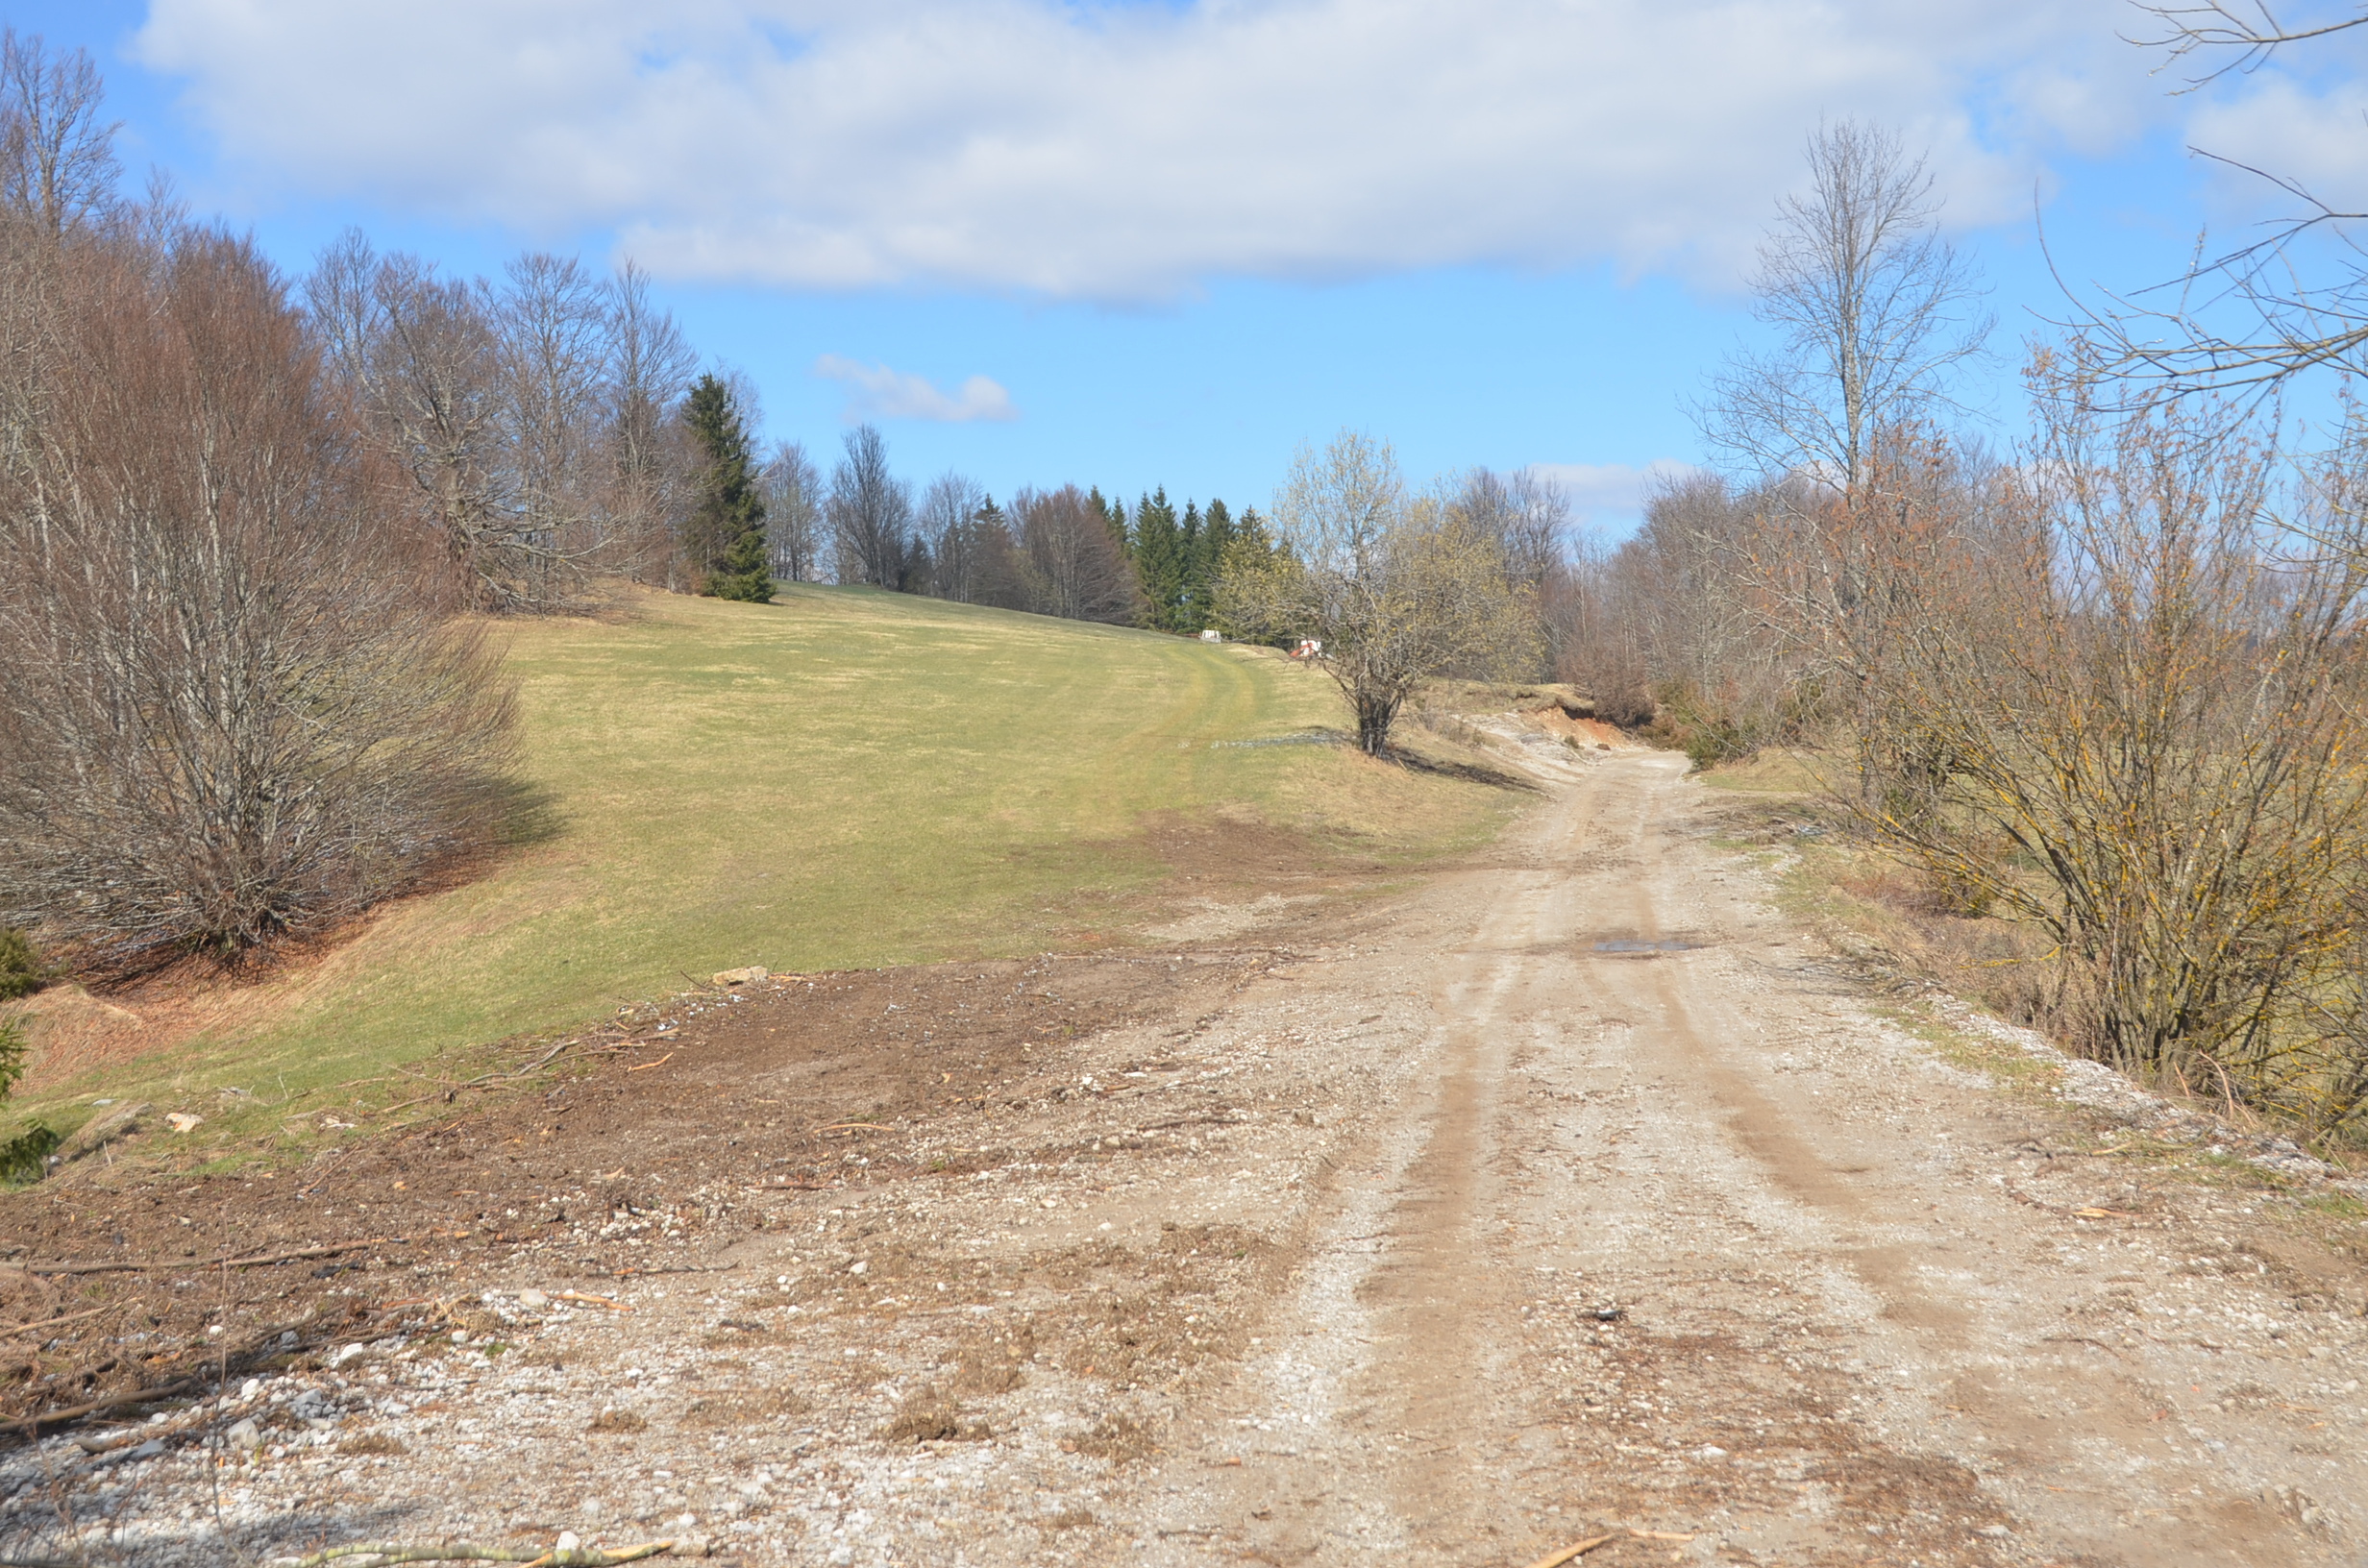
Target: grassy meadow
844 778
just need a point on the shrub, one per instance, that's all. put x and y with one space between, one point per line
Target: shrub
25 1157
254 718
1684 720
12 1048
20 966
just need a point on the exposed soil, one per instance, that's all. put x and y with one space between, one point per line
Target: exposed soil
1574 1192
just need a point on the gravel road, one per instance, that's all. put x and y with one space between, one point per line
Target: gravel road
1577 1192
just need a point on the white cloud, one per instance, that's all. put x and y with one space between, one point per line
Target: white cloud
876 392
1131 151
1606 492
2318 140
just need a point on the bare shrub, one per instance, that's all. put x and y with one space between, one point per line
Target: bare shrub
251 721
2100 695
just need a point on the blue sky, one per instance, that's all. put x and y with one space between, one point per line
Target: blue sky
1176 239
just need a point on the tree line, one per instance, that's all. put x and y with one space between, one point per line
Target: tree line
253 526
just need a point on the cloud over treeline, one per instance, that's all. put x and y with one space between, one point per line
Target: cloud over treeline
1130 152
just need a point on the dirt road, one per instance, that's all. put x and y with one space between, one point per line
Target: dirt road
1575 1193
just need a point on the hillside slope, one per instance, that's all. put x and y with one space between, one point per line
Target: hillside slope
841 779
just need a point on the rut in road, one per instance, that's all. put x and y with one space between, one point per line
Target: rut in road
1841 1335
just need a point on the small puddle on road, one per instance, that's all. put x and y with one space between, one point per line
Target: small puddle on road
1645 946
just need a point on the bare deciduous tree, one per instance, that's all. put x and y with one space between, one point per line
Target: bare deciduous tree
57 158
536 420
951 510
649 370
1527 515
1529 518
1399 589
550 321
254 718
1873 311
1073 563
424 365
871 515
793 513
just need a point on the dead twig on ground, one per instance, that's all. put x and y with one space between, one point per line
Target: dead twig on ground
13 1329
178 1389
597 1301
582 1556
487 1079
1580 1549
129 1266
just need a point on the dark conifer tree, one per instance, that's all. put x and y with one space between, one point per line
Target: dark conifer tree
1210 541
725 535
1158 546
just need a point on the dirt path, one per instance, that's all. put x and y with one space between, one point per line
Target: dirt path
1856 1320
1575 1193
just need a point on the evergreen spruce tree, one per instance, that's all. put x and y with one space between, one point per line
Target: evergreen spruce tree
1114 510
725 535
1210 542
1158 548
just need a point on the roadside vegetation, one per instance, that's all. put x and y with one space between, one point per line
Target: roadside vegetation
2092 700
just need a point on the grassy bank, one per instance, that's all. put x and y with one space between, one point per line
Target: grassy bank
841 779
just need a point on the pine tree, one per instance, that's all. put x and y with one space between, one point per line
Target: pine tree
725 535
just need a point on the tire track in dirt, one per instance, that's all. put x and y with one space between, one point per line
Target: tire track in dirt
1845 1340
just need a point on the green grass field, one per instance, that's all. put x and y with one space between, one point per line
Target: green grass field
841 779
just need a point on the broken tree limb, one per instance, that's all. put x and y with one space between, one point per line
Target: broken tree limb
1580 1549
91 1406
129 1266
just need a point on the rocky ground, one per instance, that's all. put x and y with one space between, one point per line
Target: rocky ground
1576 1194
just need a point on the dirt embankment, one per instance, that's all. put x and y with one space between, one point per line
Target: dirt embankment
1576 1194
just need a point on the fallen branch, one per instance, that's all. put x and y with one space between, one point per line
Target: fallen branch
1582 1548
13 1329
224 1261
130 1396
597 1301
1556 1559
392 1551
647 1066
488 1080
